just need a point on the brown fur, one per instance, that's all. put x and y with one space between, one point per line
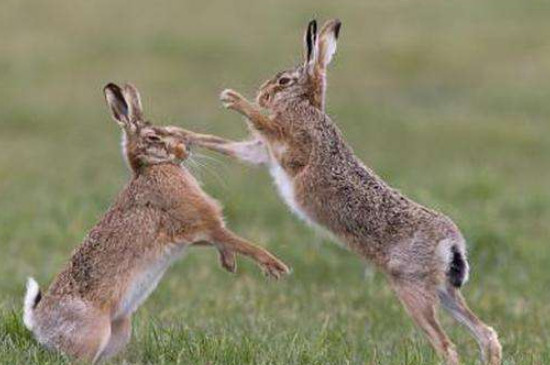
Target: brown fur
329 186
86 311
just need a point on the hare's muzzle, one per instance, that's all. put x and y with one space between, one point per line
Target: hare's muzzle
263 98
180 151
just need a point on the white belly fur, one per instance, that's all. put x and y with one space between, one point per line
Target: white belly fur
285 186
146 281
286 189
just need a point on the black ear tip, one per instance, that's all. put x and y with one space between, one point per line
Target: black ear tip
337 27
312 26
112 90
112 87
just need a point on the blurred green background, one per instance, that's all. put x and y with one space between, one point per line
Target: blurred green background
447 100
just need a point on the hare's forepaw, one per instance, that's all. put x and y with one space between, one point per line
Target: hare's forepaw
228 260
232 100
274 267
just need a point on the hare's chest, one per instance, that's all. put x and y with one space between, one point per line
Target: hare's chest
285 183
146 279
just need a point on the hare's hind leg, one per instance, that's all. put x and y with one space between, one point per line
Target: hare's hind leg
73 327
486 337
230 241
421 304
121 331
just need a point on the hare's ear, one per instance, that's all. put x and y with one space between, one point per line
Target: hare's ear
326 43
119 108
310 41
131 95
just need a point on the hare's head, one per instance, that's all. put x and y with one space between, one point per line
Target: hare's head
143 143
308 80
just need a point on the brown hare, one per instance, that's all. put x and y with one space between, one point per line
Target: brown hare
161 211
421 251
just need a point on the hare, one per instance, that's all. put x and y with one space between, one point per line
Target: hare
421 251
161 211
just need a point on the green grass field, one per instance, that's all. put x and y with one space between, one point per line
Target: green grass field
447 100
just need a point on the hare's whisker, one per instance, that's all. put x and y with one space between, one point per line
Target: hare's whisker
210 158
195 169
211 171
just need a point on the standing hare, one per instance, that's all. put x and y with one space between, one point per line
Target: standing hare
421 251
161 211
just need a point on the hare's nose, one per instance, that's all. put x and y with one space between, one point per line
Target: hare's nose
181 151
263 99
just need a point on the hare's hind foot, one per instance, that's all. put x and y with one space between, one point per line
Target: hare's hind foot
421 303
121 331
486 337
493 348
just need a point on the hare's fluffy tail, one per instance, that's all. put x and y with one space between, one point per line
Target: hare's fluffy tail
453 255
458 267
32 298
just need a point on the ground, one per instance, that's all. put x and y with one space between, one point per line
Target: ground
448 101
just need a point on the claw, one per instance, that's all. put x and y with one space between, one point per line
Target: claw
275 268
230 98
228 260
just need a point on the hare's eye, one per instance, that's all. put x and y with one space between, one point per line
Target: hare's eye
152 138
284 81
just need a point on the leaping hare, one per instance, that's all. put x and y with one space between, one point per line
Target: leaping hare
421 251
161 211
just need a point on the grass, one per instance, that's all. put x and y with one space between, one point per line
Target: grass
446 100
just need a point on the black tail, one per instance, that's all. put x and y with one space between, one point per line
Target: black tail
457 268
37 299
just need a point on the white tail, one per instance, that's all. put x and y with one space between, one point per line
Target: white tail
33 291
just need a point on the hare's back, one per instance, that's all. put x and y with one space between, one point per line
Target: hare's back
123 241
